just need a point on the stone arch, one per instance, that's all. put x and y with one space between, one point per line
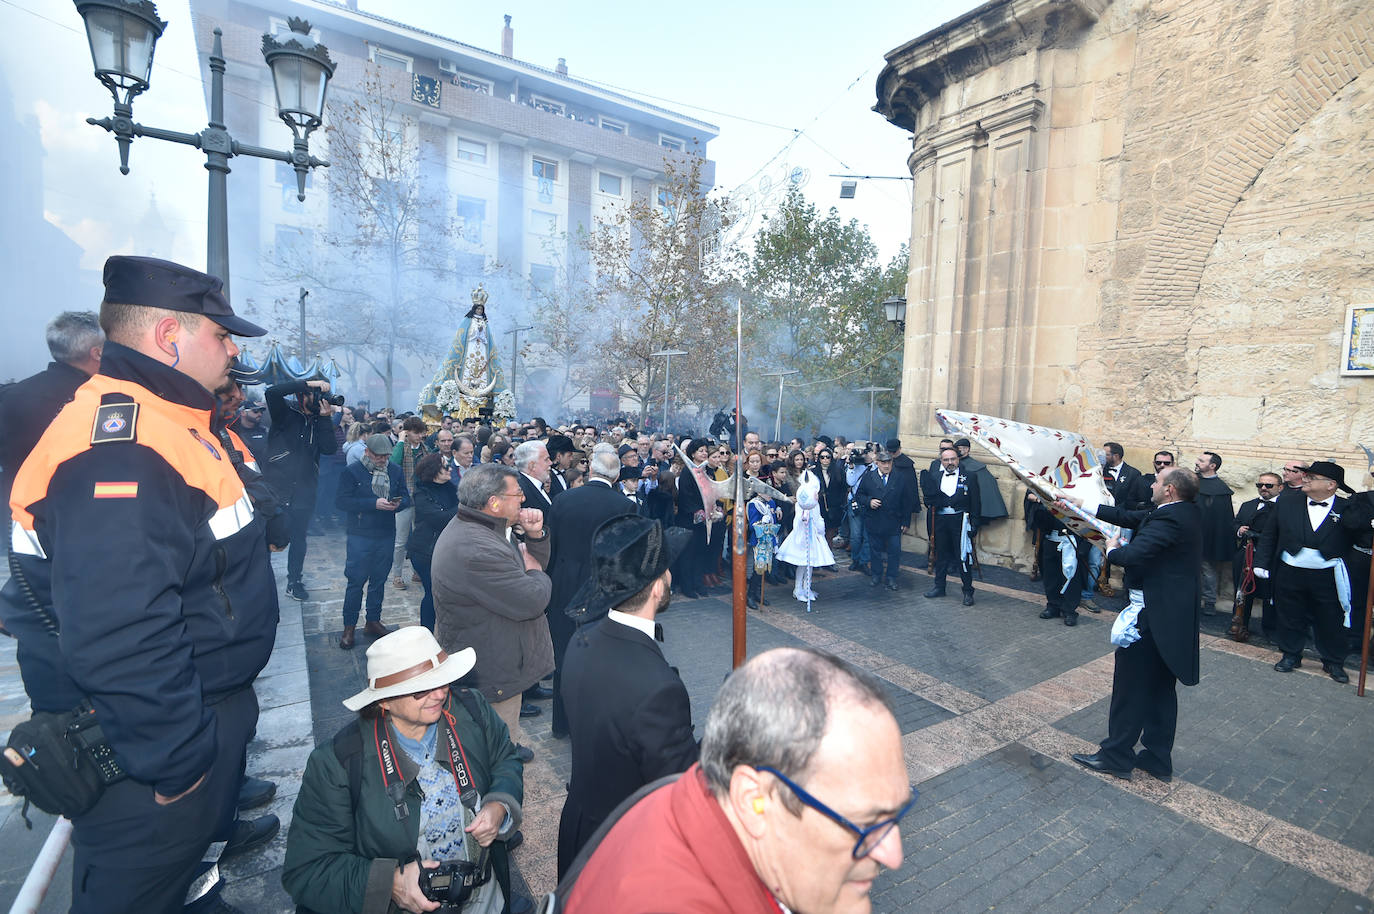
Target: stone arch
1180 244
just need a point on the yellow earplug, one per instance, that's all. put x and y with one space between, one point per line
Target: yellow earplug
758 805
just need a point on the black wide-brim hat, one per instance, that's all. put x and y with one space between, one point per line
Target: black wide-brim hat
629 552
1331 470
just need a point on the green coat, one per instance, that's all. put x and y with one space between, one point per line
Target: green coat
341 859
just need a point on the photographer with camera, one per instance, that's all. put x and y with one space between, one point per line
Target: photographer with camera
410 806
858 463
301 432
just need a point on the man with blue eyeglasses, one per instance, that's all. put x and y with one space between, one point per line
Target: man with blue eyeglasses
796 804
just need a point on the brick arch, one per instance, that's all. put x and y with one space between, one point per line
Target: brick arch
1181 243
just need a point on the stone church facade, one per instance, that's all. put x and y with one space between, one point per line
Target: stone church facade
1143 220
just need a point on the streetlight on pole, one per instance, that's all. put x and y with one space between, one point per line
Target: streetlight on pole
777 422
515 354
123 35
667 368
872 392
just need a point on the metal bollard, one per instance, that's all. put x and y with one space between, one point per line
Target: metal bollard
40 874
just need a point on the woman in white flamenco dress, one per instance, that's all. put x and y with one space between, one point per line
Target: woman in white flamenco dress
805 547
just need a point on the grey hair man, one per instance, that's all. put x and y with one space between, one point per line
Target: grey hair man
532 460
490 590
797 800
604 463
75 342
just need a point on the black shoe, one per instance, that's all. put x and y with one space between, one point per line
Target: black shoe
855 566
538 692
1288 664
968 598
250 834
1048 613
1154 773
296 591
1091 606
1070 619
764 601
934 592
524 753
750 603
1096 763
529 710
892 585
1336 672
255 792
874 582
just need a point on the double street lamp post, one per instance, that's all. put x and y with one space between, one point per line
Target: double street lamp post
667 367
123 35
777 421
872 392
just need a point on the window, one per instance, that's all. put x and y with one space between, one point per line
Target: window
545 170
546 104
293 244
472 212
613 126
671 142
391 60
608 184
541 276
473 83
472 151
542 223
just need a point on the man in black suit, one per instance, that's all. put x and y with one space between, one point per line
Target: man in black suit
1308 540
890 498
563 454
628 711
1159 649
1122 479
532 460
572 520
1251 520
953 500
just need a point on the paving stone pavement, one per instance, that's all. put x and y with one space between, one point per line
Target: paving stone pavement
1269 809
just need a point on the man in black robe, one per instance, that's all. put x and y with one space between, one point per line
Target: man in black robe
1218 527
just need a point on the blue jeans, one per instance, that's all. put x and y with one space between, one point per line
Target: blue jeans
889 547
1094 567
421 564
367 560
858 539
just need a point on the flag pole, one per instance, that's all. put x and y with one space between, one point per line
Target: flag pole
738 580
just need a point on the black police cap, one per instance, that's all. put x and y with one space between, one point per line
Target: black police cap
155 283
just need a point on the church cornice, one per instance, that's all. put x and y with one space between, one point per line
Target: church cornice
995 32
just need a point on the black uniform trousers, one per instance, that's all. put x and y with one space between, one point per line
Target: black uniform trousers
1144 709
1357 563
1307 597
948 532
133 855
1058 601
299 513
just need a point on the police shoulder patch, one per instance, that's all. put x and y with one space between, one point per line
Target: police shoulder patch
115 420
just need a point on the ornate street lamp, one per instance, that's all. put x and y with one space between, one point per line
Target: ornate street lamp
123 35
895 307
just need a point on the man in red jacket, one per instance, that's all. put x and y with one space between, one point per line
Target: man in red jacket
795 805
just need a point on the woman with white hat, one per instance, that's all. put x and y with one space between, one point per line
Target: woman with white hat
426 775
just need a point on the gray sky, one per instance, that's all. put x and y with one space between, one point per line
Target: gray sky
789 85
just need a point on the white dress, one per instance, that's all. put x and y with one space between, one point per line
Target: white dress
805 547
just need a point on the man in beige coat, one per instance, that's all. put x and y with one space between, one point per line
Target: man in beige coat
490 590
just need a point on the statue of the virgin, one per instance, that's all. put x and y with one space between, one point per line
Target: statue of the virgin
470 379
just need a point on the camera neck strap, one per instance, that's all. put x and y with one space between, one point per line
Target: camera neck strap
394 782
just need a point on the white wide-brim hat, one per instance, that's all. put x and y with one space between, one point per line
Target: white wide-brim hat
406 661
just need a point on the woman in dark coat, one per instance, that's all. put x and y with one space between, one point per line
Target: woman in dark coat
436 501
834 490
691 515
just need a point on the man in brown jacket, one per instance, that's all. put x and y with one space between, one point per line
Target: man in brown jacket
490 590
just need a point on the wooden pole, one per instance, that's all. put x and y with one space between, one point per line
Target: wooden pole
1364 643
738 579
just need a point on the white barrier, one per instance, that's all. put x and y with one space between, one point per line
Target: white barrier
40 874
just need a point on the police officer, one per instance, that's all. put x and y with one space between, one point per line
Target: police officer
132 524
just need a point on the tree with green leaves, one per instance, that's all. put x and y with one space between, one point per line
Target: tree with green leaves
814 286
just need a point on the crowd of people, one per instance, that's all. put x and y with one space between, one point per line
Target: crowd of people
544 554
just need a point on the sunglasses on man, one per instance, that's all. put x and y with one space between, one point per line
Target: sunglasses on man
1266 485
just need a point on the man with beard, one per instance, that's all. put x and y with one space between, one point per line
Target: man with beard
628 711
1218 526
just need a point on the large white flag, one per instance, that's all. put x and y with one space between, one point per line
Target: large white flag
1053 462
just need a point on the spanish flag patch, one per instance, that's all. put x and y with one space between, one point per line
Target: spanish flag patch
116 490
